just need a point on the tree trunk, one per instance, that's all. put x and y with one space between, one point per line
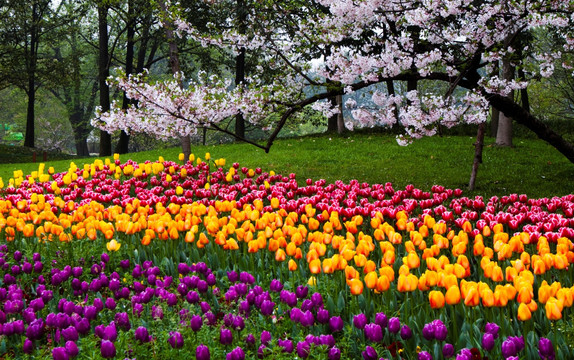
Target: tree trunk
175 67
504 131
494 118
240 65
31 90
104 72
340 117
477 155
333 121
80 133
122 147
391 91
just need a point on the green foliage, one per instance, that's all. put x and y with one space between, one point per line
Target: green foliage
531 166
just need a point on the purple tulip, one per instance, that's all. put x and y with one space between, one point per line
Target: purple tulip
381 319
267 307
359 321
105 257
196 322
545 349
307 319
123 321
238 323
265 337
394 325
236 354
336 324
334 354
428 331
424 355
59 353
125 264
71 348
107 349
493 329
369 353
286 344
202 352
301 291
175 339
142 335
276 285
447 350
373 332
70 334
225 336
110 332
303 348
28 346
487 341
440 330
317 300
322 316
406 332
508 348
518 342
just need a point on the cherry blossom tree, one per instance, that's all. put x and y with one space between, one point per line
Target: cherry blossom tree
455 42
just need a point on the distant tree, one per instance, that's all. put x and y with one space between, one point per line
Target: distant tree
26 26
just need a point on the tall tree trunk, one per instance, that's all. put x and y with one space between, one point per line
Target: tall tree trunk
240 65
174 63
340 118
332 122
391 91
494 119
31 90
504 131
104 72
478 146
122 145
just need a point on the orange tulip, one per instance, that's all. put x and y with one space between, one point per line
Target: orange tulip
356 286
524 295
452 295
524 312
328 266
315 266
371 280
553 309
292 265
383 283
413 260
472 297
487 297
436 299
279 254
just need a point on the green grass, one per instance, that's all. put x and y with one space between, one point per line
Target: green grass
531 167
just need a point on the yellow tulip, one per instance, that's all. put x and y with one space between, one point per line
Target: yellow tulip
113 245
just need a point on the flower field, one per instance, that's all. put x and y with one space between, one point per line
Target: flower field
170 258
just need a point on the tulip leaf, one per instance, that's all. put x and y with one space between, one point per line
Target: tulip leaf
341 300
3 346
330 304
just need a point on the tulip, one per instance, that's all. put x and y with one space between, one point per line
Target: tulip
71 348
175 339
142 335
524 312
303 349
359 321
436 299
287 345
369 353
225 336
545 349
406 332
107 349
60 353
487 341
508 348
394 325
448 350
373 332
202 352
424 355
336 324
334 353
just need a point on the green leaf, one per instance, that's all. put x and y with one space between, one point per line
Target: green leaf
341 300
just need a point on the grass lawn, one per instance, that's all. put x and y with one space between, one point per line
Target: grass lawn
531 167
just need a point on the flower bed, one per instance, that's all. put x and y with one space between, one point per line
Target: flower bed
136 260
